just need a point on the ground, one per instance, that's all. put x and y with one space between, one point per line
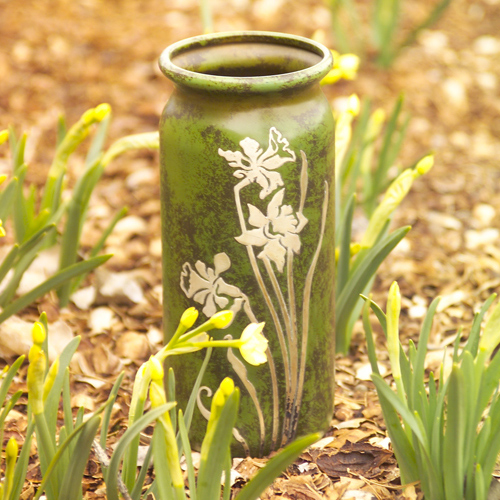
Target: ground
67 56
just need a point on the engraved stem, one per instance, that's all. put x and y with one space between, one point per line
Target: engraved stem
272 310
305 312
241 371
274 379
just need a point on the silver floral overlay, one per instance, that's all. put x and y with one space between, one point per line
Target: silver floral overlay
271 235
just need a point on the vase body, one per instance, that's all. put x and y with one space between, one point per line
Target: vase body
247 191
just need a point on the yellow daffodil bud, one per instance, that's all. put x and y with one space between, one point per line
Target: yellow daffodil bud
33 352
3 177
12 449
156 368
393 310
375 124
102 111
88 117
254 345
189 317
35 379
38 333
393 197
157 394
50 379
4 135
227 386
222 319
2 229
424 165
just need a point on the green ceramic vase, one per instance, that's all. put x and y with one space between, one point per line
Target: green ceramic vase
247 192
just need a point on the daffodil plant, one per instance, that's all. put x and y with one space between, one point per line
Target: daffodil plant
362 177
35 228
445 432
170 439
383 34
62 469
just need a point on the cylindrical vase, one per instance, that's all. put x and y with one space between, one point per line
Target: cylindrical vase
247 194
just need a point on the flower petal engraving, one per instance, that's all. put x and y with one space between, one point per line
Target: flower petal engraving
256 165
204 285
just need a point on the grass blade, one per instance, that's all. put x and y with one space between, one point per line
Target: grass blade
71 487
125 440
55 281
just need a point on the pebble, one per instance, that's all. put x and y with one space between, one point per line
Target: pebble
141 177
455 92
486 45
119 286
101 319
133 345
483 214
130 225
475 239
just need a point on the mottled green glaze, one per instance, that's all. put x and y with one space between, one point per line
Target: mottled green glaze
262 89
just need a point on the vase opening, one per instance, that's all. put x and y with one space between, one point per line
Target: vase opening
246 59
250 62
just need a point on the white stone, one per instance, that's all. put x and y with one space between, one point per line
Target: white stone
475 239
486 45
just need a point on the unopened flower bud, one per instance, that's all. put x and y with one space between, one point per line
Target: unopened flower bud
38 333
424 165
189 317
101 112
222 319
227 386
156 368
35 380
12 449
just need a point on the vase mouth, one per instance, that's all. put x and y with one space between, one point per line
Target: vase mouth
246 62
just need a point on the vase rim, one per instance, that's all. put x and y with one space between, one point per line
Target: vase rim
317 62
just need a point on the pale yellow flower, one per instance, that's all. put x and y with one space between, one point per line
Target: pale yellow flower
254 345
345 66
4 135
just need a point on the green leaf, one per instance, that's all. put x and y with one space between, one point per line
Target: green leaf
7 198
163 479
210 471
124 442
22 463
345 246
356 283
52 283
52 401
8 377
370 343
264 478
453 444
71 488
189 459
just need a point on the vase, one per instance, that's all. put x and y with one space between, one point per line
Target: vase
247 206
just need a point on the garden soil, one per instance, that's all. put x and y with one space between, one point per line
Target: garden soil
62 56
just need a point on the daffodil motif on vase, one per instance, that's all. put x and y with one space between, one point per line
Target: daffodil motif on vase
271 232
